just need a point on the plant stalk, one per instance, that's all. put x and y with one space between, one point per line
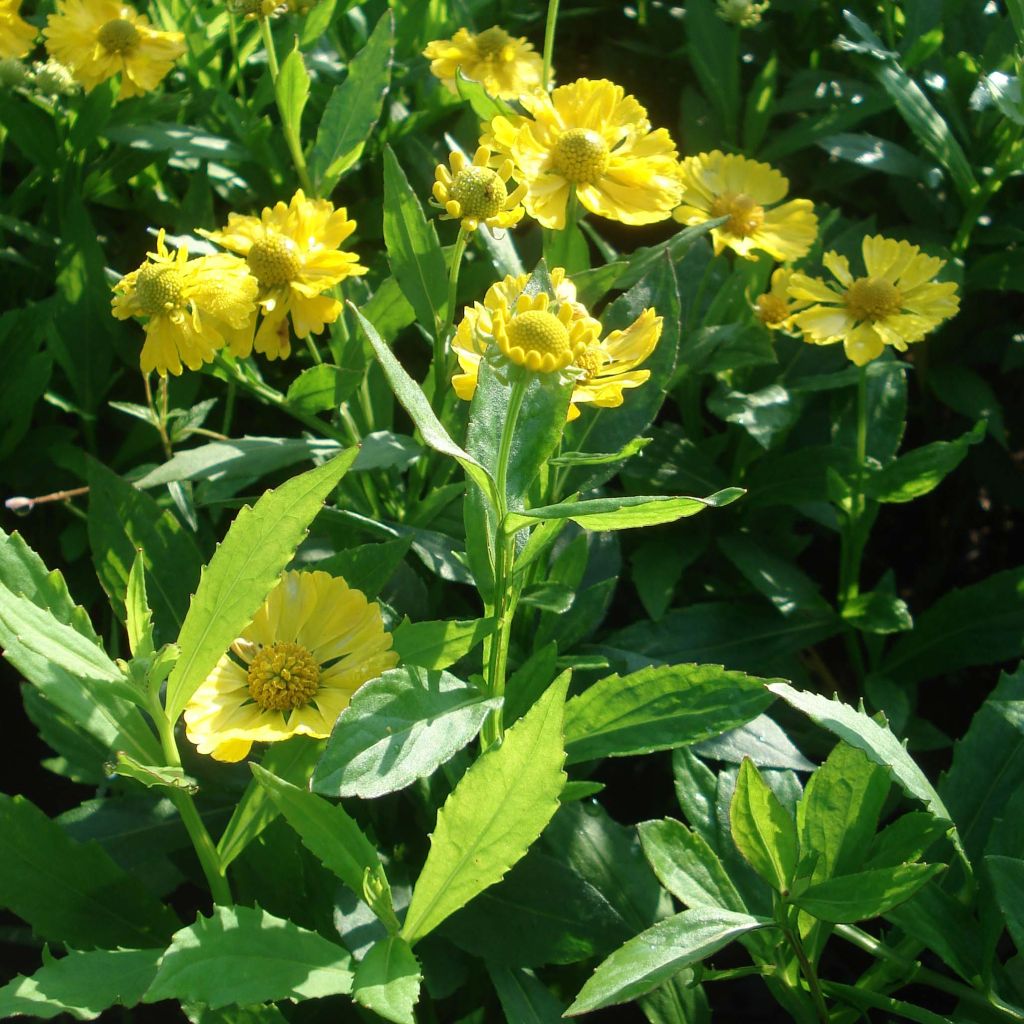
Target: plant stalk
441 338
549 43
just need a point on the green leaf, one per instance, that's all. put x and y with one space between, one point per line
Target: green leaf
369 566
763 830
654 956
492 817
387 980
151 776
875 154
865 1000
181 140
880 611
415 403
354 108
397 729
623 513
322 388
439 644
71 892
258 545
1007 874
293 91
849 898
82 985
212 961
413 249
484 105
919 472
760 104
645 259
523 997
978 625
905 840
629 449
138 615
659 708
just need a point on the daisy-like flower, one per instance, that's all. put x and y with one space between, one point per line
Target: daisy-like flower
293 250
553 334
588 136
476 194
98 39
17 36
775 308
505 66
896 303
718 184
191 307
293 670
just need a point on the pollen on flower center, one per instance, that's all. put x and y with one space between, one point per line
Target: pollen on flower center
118 36
589 360
493 43
871 298
282 676
745 216
479 192
274 260
771 309
160 289
581 155
541 333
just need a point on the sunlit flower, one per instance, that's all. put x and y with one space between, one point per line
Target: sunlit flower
718 184
191 307
896 303
476 194
293 670
98 39
744 13
51 78
17 36
591 138
547 334
294 252
775 307
505 66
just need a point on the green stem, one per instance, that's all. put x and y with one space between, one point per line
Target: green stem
288 130
853 546
313 350
549 42
204 846
810 975
235 54
441 338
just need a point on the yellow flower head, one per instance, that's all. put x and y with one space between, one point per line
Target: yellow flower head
896 303
775 308
505 66
558 333
17 36
99 38
718 184
476 194
590 137
293 250
191 307
293 670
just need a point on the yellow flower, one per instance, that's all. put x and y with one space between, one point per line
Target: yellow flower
718 184
590 137
896 303
192 307
17 36
294 252
506 67
475 194
775 308
531 334
99 38
311 645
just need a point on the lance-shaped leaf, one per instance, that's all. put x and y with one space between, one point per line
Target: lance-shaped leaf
439 644
849 898
762 829
493 816
387 980
258 546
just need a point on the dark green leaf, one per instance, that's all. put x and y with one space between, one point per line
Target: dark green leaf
322 388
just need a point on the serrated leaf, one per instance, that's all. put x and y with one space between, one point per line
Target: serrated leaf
258 545
151 776
858 897
493 816
387 981
763 830
659 708
397 729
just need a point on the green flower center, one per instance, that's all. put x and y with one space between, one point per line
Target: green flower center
539 332
581 156
274 259
160 288
771 309
492 42
283 676
871 298
745 216
118 36
480 192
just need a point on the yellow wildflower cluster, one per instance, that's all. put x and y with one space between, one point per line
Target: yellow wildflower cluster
17 36
192 308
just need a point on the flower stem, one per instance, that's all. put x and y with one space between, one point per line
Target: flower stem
810 975
853 546
549 42
159 415
441 338
290 136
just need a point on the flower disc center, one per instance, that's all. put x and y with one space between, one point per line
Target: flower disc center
871 298
492 43
581 155
480 192
274 259
539 332
118 36
160 289
589 360
771 309
745 216
283 676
